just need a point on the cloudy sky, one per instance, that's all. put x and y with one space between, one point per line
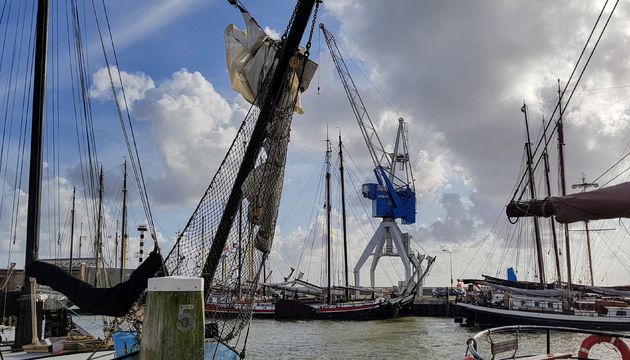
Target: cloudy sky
457 71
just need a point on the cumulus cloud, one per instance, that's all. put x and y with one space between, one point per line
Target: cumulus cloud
457 224
463 70
135 85
191 125
458 72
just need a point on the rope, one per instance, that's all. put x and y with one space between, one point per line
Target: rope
132 148
559 104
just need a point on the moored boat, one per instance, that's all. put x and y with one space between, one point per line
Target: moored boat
484 316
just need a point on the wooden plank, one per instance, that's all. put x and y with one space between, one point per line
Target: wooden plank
504 346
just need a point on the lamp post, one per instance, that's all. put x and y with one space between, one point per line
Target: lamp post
450 258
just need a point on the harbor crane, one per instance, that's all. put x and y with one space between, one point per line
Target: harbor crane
393 195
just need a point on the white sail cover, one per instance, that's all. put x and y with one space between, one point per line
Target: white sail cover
605 203
250 54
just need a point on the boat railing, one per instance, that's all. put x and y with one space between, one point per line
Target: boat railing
471 343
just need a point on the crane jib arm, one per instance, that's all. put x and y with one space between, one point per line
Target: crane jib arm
389 200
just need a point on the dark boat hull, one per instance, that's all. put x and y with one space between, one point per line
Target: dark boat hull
299 310
230 312
484 317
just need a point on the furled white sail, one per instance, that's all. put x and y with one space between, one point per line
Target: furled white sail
606 203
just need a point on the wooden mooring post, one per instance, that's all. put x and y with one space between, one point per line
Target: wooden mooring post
173 319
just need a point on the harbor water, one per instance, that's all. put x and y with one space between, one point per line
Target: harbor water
401 338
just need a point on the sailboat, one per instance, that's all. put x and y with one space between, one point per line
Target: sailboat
508 302
300 299
555 303
270 74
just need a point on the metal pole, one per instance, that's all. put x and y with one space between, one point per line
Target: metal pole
450 259
72 228
80 238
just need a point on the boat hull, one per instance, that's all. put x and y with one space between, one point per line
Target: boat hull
259 312
484 317
299 310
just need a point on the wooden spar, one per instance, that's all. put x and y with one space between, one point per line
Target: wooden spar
590 257
343 219
552 222
328 230
99 224
563 185
37 137
23 333
532 192
584 185
267 110
123 231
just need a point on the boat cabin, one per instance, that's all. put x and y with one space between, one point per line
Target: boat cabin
617 311
539 304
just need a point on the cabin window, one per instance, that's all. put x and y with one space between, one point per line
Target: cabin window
550 305
621 313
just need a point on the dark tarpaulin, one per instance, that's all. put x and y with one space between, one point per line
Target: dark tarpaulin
114 301
527 292
606 203
603 290
518 284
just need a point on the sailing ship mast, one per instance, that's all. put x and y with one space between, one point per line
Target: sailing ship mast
563 184
552 222
532 192
328 235
267 110
99 225
23 334
343 218
123 231
584 185
73 212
